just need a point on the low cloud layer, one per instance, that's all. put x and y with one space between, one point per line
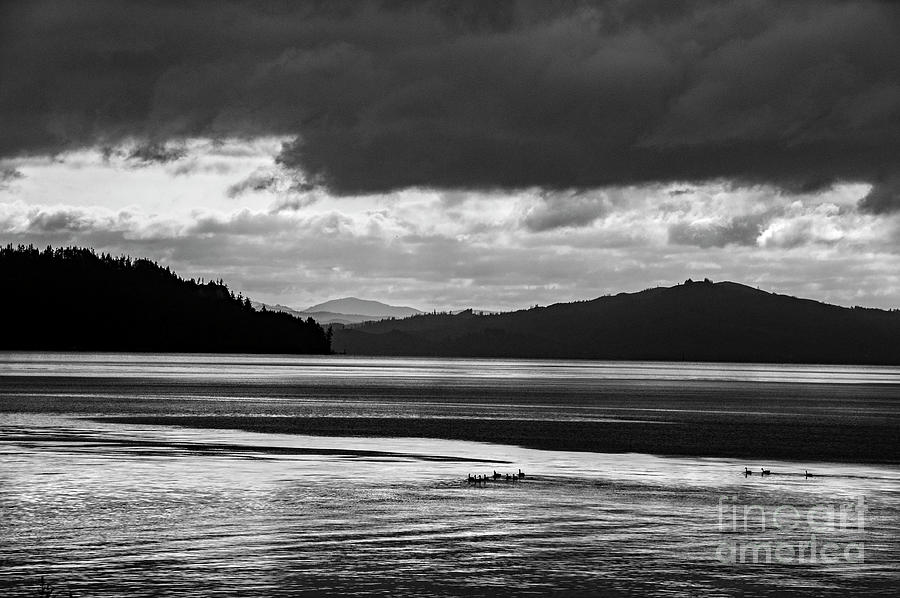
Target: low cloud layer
379 96
562 210
735 231
416 248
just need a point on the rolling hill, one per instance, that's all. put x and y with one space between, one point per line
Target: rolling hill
348 310
695 321
363 307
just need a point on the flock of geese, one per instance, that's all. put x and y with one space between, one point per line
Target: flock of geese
481 480
764 472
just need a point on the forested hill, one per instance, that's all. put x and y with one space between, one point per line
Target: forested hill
73 299
695 321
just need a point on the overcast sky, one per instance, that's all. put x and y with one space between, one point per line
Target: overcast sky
455 154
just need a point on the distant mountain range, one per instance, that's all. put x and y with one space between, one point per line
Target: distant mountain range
348 310
72 298
695 321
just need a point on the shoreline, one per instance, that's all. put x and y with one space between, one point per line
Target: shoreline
869 444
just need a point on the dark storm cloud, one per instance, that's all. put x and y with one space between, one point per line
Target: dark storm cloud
884 197
473 95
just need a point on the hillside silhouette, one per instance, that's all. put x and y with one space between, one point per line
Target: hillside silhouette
73 299
695 321
374 310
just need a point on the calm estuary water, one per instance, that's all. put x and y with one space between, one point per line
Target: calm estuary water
112 507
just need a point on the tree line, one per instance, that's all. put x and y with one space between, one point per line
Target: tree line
71 298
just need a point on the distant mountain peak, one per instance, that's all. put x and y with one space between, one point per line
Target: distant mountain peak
363 307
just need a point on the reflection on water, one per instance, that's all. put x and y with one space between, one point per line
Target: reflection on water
110 509
274 369
92 506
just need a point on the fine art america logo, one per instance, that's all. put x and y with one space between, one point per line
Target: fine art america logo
786 534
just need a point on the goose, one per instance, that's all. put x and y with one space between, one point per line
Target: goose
497 476
809 475
747 472
765 471
521 474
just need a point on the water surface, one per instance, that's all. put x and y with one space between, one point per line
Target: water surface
107 508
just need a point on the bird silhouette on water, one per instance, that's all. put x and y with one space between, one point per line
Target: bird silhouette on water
480 480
